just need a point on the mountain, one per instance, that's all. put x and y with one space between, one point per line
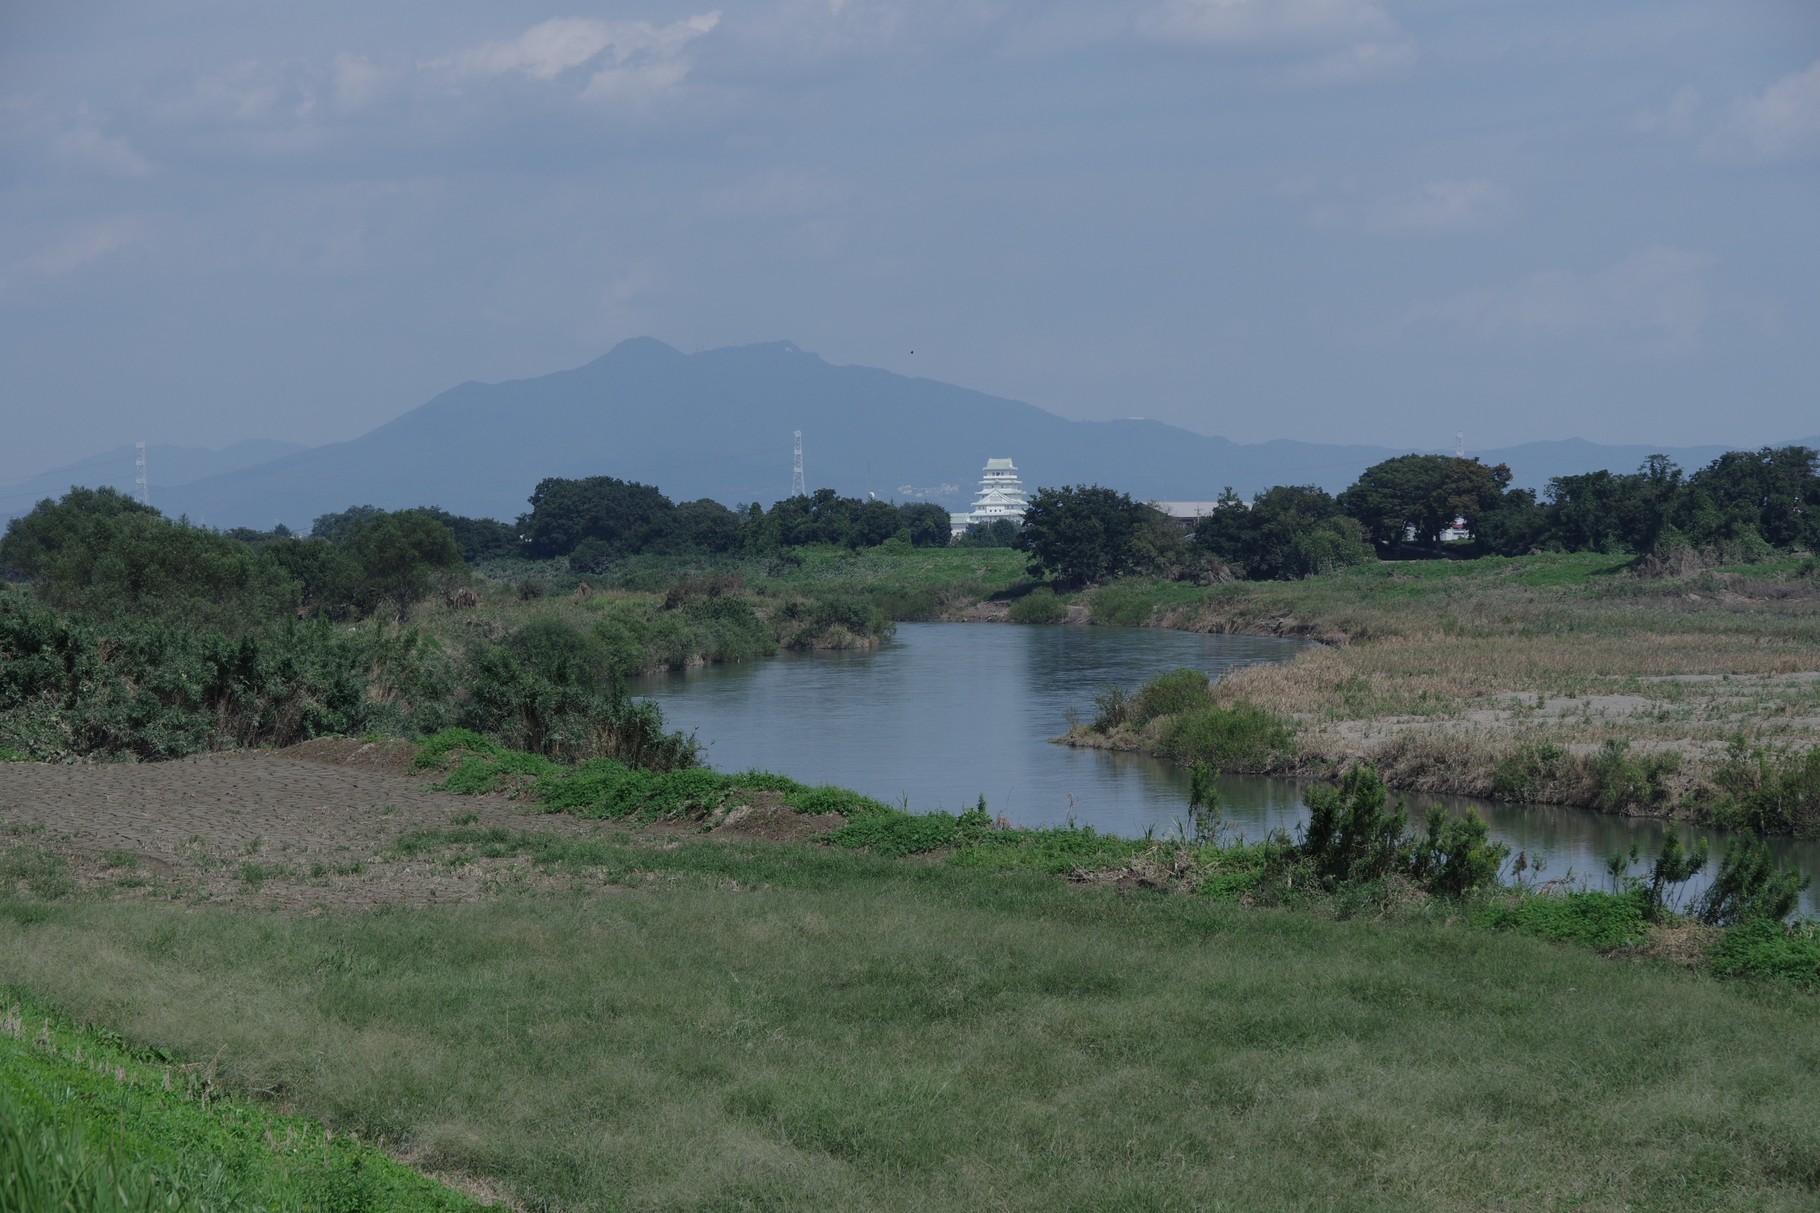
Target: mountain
718 424
166 467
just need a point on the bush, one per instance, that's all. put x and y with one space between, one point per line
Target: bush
1456 857
1170 694
1625 781
1751 885
1243 737
1766 791
1524 775
1763 948
1589 919
1039 606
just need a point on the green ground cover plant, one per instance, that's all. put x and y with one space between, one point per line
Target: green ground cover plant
764 1025
89 1125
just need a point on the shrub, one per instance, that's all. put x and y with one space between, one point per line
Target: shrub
1455 856
1039 606
1751 885
1522 776
1589 919
1170 694
1352 833
1767 791
1764 948
1243 737
1624 780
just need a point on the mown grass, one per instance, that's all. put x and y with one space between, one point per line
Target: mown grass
764 1026
90 1126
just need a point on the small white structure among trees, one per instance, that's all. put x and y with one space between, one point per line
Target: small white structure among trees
1001 495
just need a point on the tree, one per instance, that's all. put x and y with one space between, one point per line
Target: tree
1423 494
478 538
1774 491
1287 532
397 558
926 522
1602 512
999 533
622 514
101 552
1082 534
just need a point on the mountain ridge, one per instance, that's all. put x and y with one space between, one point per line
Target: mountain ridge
717 423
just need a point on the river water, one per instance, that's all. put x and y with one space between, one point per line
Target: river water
946 713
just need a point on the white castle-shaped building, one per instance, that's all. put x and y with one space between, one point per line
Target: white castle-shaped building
1001 495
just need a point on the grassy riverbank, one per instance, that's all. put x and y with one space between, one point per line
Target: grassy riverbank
1566 679
88 1124
708 1025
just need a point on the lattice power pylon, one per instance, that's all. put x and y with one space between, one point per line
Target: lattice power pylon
798 486
140 481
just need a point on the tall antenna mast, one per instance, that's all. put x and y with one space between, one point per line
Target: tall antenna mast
798 486
140 482
1459 440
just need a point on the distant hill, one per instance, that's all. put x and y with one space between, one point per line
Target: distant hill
718 424
166 467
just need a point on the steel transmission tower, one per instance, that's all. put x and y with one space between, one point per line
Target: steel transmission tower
140 482
798 486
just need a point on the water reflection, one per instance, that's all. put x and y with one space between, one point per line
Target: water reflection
947 713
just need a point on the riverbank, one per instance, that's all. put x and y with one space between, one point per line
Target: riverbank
1558 679
496 990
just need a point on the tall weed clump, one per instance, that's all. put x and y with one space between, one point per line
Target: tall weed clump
1356 838
1769 791
554 690
1243 737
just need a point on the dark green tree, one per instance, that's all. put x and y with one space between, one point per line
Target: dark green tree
397 559
1423 494
1287 532
1081 534
622 514
926 522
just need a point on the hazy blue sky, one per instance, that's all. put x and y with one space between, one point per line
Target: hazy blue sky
1358 220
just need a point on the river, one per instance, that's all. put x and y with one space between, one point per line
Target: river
946 713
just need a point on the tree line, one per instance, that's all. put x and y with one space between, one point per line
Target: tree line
1744 506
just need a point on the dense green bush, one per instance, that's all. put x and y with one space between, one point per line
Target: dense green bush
1243 737
1767 791
1040 605
1183 690
1751 885
1588 919
1766 948
1354 836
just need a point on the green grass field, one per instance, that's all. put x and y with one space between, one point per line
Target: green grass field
90 1126
706 1025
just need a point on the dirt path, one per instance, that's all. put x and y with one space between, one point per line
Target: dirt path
304 829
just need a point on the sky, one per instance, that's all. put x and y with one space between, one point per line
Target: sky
1380 221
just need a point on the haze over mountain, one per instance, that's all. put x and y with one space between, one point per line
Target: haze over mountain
166 467
718 424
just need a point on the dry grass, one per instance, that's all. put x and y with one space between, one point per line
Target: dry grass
1440 673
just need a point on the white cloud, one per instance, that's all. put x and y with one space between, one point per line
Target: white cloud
1656 300
354 83
1442 207
1268 21
1363 61
1784 120
779 192
86 147
550 48
87 243
1780 123
1351 40
1675 121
